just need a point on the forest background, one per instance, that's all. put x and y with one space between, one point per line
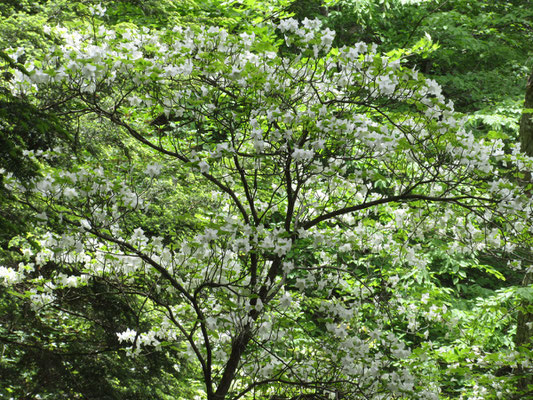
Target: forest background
467 327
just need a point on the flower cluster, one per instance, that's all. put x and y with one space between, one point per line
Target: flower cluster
330 172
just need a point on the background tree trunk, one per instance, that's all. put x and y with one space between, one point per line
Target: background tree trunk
526 122
524 328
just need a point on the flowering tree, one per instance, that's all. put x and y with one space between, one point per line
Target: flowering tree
334 174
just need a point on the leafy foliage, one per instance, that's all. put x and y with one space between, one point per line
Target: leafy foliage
250 212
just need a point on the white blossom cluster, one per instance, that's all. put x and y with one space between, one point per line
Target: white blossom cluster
324 190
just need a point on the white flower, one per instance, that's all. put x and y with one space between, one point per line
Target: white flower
40 76
386 85
85 224
288 266
289 24
40 300
301 284
285 300
208 236
187 67
204 167
259 305
138 235
153 170
8 276
70 193
247 39
302 155
97 10
312 24
282 247
433 87
127 336
42 216
360 47
345 247
134 101
68 281
327 37
89 70
211 322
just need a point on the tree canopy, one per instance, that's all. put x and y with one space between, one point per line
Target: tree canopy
258 210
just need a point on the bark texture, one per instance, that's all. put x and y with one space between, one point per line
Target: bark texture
526 122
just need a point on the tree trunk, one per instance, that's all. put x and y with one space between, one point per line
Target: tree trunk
524 327
526 122
237 348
